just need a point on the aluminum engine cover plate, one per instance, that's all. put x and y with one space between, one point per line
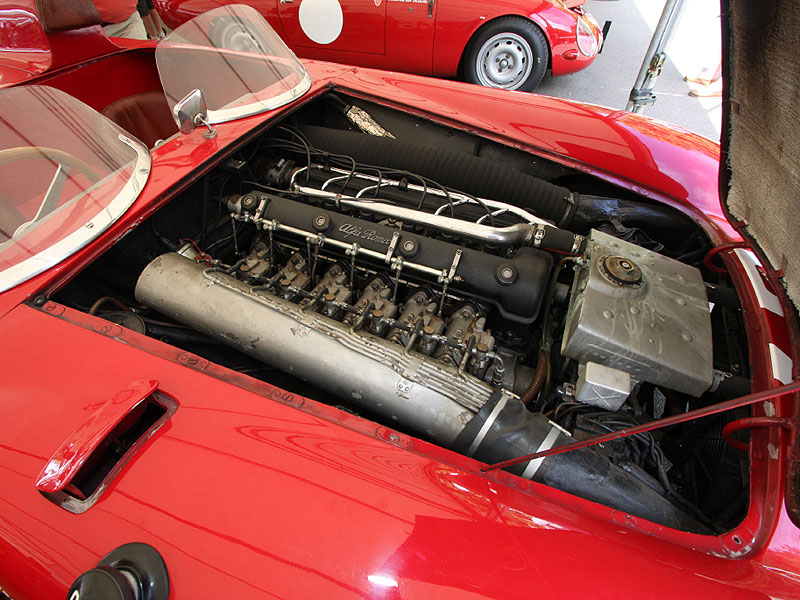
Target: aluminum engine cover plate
640 312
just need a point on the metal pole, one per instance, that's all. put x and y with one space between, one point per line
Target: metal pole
642 92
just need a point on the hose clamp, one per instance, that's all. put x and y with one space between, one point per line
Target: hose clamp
538 235
576 245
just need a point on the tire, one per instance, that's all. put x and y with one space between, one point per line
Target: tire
233 33
510 53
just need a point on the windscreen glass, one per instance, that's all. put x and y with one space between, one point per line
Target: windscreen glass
67 173
233 56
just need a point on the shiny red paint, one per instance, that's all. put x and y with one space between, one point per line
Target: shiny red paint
251 491
401 36
271 494
126 74
65 462
23 44
26 51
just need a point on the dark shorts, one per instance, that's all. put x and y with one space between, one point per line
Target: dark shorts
144 7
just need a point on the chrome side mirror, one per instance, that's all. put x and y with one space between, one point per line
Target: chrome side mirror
191 112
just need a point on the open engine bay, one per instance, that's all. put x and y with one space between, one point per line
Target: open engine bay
466 293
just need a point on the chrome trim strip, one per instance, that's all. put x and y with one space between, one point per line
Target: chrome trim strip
92 229
224 115
546 444
587 26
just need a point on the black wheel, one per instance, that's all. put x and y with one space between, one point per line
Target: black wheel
510 53
234 33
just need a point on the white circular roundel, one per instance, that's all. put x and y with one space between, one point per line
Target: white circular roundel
321 20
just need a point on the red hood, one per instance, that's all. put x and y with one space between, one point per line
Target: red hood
247 495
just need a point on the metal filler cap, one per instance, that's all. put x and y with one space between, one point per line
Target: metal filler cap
622 270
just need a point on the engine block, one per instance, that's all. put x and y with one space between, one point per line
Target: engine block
393 320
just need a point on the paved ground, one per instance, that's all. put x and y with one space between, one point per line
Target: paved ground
609 79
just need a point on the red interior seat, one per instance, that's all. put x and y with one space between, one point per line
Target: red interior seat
145 115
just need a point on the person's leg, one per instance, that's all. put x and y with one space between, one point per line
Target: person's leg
706 76
157 19
712 90
149 27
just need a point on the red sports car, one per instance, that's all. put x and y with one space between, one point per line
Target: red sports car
291 329
505 44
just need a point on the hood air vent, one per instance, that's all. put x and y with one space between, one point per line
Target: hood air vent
86 463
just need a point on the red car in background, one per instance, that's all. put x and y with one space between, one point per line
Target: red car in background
505 44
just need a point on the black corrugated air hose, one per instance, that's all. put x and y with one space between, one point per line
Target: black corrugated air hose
457 170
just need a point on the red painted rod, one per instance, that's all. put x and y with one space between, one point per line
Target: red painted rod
707 411
750 423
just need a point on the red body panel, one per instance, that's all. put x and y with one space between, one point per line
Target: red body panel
175 12
262 495
20 30
251 491
409 40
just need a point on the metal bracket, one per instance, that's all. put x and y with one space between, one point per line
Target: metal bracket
657 65
577 243
392 245
398 266
262 206
352 251
447 277
642 97
445 280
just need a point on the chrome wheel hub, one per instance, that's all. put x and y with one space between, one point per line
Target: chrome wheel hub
504 61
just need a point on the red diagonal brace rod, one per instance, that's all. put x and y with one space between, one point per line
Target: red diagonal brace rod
707 411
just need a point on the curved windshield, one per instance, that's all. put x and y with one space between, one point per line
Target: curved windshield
67 173
235 58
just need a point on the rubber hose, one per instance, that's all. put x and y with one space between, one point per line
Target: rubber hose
471 174
502 431
536 381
